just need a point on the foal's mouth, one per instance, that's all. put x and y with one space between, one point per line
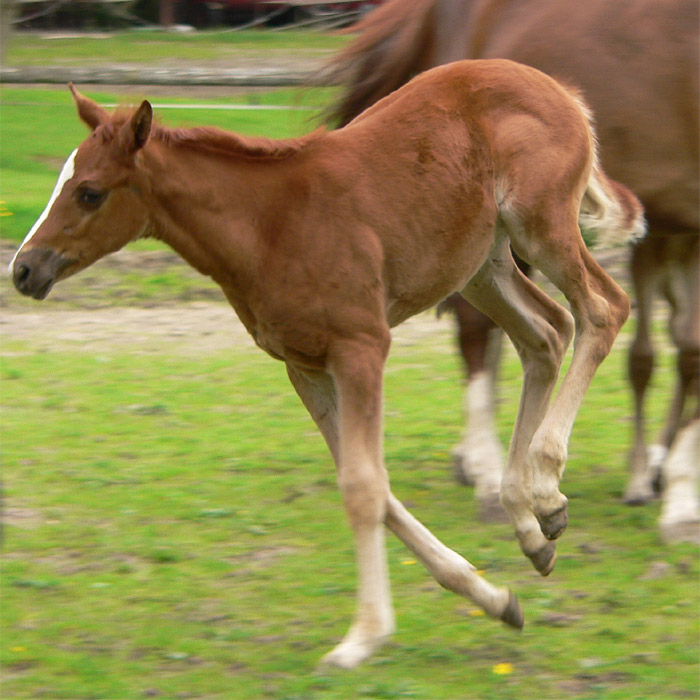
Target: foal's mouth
35 271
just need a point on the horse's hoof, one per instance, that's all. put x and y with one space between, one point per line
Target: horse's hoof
491 511
513 614
460 470
637 500
638 497
555 523
544 558
687 531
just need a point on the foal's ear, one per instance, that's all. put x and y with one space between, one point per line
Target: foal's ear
134 134
88 110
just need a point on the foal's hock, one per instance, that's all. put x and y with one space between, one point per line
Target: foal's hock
322 243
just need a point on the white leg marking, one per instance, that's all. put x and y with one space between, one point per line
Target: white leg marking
680 512
66 174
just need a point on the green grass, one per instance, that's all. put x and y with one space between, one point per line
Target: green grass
157 46
184 535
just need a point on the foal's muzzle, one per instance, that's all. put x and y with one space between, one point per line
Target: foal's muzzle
35 271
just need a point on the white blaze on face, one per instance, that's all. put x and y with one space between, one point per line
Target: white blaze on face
66 174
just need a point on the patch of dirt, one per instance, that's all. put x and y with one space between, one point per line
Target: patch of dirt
25 518
97 311
91 312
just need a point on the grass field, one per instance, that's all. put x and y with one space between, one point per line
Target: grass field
149 46
175 530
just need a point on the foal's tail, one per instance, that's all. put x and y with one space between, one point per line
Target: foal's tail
388 51
610 214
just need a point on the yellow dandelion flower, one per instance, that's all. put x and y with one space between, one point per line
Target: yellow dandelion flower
476 612
18 650
503 669
408 562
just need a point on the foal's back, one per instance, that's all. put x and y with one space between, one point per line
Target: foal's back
434 163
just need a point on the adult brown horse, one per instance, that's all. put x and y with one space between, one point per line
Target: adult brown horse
321 244
636 62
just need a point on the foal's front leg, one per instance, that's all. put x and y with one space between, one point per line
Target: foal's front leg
347 406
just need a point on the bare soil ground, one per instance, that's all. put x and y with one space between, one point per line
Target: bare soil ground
94 310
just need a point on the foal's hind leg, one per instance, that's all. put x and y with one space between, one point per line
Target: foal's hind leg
600 307
541 331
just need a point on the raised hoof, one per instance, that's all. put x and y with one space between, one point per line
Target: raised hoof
544 558
555 523
513 614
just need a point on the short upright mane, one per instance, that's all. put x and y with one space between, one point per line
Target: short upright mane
213 139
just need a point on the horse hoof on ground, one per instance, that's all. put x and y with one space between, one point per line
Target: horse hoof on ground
349 655
639 495
544 558
513 614
490 510
460 469
687 531
553 524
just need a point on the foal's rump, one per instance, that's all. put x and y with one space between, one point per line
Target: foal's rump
466 143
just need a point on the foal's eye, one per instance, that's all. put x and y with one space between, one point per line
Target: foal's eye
90 198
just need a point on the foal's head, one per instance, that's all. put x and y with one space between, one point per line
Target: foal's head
96 206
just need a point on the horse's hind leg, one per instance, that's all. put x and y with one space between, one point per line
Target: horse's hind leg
541 331
645 273
478 458
682 291
600 307
680 512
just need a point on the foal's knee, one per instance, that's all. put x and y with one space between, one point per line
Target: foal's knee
365 494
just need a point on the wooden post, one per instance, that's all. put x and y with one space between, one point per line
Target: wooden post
166 14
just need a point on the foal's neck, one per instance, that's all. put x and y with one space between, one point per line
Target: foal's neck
213 195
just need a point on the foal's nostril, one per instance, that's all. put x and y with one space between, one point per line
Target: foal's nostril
21 273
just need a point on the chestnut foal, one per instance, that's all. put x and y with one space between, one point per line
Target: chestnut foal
323 243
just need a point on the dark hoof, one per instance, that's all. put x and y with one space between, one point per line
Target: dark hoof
459 471
555 523
491 511
513 614
638 500
543 559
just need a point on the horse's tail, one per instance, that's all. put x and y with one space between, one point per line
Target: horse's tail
387 52
610 214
